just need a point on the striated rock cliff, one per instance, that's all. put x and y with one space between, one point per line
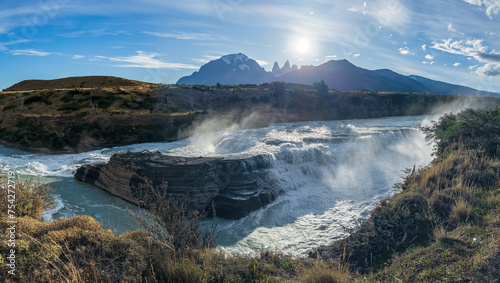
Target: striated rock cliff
237 186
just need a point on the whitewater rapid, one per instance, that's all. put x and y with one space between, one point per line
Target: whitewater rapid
332 173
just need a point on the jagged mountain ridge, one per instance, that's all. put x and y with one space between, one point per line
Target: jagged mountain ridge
237 69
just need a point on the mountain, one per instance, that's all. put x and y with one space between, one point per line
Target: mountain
277 71
446 88
338 74
231 69
343 75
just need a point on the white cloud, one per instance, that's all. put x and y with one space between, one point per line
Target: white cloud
147 60
473 48
429 57
205 59
456 64
78 57
186 35
450 28
428 62
424 47
490 69
92 33
3 45
405 51
492 6
391 13
354 56
29 52
467 48
331 57
262 62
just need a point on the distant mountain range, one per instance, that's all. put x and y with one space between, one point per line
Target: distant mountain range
237 69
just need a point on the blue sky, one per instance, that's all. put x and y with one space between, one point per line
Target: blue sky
456 41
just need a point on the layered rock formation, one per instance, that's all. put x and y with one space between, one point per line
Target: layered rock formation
237 186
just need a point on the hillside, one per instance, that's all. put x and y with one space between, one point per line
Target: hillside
73 82
443 226
76 119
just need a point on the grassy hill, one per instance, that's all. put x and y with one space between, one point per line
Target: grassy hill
86 113
443 226
72 82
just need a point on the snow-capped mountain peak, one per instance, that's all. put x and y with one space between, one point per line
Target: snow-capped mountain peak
229 69
233 59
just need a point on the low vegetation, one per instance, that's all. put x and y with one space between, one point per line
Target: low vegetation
443 226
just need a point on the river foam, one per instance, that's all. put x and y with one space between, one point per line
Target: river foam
332 173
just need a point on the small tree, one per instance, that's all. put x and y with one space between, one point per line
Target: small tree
21 98
321 88
169 221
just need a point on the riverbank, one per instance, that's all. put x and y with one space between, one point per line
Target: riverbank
82 114
443 225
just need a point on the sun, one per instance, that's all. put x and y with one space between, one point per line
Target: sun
302 46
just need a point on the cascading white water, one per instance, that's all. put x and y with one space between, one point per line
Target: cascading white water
332 173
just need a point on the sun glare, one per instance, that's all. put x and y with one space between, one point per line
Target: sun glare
302 46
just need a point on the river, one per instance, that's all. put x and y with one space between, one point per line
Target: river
332 172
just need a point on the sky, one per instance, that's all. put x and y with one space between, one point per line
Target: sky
456 41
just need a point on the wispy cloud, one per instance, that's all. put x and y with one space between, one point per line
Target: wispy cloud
469 47
146 60
92 33
3 45
456 64
451 28
492 6
186 35
390 13
78 57
29 52
262 62
205 59
429 57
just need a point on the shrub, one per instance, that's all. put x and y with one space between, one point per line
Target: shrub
170 223
31 199
69 107
37 98
461 211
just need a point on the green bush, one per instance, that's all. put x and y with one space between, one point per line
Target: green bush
475 129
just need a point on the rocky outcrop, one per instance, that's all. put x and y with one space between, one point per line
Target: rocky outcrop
237 186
